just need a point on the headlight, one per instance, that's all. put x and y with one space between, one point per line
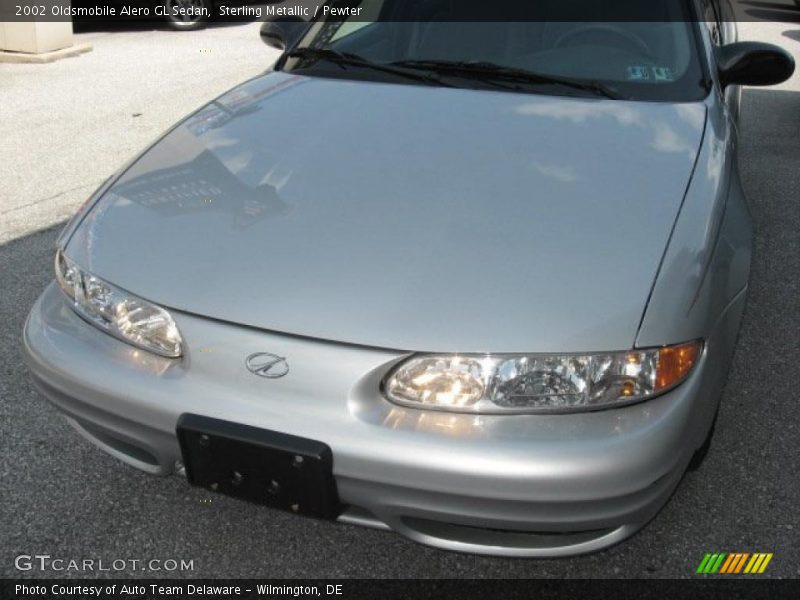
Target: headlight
535 383
121 314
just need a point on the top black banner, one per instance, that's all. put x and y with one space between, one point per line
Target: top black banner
408 10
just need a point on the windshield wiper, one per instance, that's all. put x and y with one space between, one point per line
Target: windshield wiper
345 59
492 72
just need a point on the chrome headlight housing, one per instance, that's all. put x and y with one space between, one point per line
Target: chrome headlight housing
537 383
118 312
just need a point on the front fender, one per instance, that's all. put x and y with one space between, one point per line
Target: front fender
707 261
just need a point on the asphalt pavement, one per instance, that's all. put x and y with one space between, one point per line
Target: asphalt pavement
62 497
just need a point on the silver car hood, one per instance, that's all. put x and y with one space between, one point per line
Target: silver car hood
403 216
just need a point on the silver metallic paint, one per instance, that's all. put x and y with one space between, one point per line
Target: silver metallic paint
557 473
637 262
399 222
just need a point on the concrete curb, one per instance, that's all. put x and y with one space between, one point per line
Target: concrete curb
45 57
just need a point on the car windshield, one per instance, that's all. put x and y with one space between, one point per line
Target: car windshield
654 57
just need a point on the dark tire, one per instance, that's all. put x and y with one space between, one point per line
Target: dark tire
188 22
701 453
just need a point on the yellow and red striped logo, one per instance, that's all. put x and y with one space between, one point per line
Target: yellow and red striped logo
734 563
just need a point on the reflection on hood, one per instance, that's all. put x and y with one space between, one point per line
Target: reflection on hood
203 184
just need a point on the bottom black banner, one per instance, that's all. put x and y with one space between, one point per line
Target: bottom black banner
345 589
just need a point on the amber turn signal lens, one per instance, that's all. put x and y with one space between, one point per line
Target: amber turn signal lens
675 362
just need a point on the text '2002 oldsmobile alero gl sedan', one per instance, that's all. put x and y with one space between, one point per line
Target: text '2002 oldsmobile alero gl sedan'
478 283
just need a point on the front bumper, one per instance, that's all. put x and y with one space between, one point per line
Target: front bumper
513 485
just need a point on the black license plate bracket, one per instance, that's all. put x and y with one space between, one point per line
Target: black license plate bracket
263 466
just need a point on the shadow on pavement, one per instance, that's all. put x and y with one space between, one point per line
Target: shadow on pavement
792 34
785 5
786 11
773 16
88 25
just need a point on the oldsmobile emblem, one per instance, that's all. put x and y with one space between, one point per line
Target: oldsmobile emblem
267 365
